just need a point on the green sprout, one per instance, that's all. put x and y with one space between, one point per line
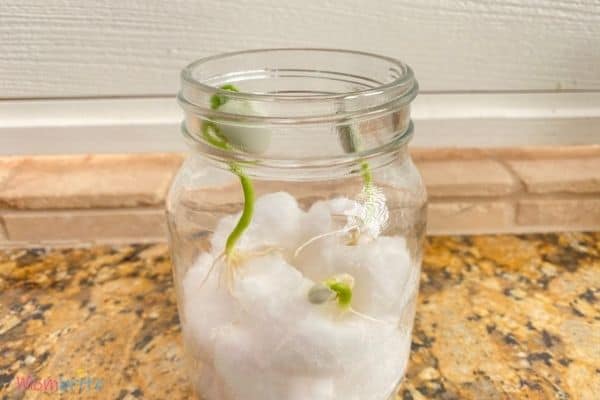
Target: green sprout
371 195
212 134
350 142
343 292
338 288
247 212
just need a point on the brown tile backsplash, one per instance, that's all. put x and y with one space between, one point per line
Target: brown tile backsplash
86 225
569 175
471 217
86 181
583 213
466 178
120 197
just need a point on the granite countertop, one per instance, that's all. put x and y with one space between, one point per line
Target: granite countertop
499 317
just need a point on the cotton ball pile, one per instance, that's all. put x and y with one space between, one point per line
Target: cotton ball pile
217 306
265 340
207 310
276 223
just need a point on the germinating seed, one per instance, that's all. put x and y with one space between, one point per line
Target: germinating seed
320 293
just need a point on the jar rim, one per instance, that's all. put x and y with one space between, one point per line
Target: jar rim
303 95
343 164
405 81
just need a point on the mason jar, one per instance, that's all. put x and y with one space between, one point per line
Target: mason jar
296 225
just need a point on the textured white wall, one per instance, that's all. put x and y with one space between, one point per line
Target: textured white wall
63 62
73 48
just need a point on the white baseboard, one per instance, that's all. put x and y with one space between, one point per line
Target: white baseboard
441 120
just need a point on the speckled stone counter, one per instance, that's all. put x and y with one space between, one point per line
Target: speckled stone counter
499 317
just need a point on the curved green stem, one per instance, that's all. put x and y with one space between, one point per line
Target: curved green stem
210 133
367 177
247 213
217 100
351 144
366 174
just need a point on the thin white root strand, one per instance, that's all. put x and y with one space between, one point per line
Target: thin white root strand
230 266
369 318
264 250
219 258
321 236
231 272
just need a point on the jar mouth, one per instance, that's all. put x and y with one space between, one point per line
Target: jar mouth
303 168
299 85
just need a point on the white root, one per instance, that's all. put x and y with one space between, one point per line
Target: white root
234 261
321 236
369 318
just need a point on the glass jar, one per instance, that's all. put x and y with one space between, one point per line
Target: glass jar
296 225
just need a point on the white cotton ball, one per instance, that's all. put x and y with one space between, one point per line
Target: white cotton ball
310 387
294 335
269 289
272 295
342 205
246 138
385 277
377 375
274 298
317 220
381 269
277 219
275 223
320 233
207 307
330 340
235 362
246 377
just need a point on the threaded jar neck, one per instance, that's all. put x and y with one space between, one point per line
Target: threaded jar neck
313 104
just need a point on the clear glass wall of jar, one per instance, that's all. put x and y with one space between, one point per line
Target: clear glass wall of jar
296 225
